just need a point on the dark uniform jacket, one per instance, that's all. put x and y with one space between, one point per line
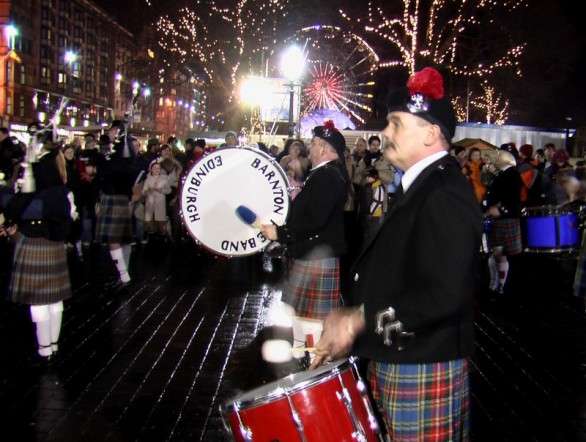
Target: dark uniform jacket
423 262
505 191
315 226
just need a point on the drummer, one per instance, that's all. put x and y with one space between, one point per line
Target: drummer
314 232
419 270
503 202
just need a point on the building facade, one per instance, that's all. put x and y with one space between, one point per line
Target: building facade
51 49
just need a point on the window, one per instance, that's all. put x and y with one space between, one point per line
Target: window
8 72
62 78
22 74
9 105
21 106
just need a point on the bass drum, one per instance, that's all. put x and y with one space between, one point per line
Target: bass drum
221 182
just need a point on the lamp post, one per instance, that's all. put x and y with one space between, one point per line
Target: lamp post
292 67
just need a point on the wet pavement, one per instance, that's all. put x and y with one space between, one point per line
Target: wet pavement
153 361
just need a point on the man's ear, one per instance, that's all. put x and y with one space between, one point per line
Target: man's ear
433 135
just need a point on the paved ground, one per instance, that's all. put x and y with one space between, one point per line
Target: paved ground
153 361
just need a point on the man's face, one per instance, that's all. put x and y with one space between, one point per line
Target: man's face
374 146
231 140
404 139
90 143
549 151
315 150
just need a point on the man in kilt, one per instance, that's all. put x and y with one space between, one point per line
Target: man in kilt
314 232
414 281
38 221
503 202
116 175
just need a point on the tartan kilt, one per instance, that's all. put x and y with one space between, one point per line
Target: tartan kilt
313 287
114 225
421 402
40 274
506 233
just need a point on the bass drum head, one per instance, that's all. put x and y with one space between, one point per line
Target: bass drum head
221 182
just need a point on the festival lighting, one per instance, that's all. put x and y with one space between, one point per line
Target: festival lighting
340 73
459 105
433 34
239 34
293 63
146 92
494 106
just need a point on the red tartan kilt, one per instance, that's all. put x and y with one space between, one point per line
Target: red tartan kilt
313 287
506 233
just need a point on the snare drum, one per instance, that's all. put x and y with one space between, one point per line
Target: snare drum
329 404
550 230
222 181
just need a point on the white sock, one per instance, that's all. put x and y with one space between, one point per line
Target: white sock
41 317
78 248
118 258
494 275
126 250
56 316
503 272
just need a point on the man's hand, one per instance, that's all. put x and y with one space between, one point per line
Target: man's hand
494 211
341 328
8 231
269 231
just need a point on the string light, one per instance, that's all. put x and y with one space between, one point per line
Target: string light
459 106
433 35
494 106
239 34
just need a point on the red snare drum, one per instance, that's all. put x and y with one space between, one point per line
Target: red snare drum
329 404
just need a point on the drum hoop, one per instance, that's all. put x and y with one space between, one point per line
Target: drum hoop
545 211
279 392
198 241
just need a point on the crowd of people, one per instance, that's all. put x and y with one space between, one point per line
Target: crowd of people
405 213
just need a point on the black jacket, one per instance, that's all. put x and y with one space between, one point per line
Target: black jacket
423 262
505 191
315 226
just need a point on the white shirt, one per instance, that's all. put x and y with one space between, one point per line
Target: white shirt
413 172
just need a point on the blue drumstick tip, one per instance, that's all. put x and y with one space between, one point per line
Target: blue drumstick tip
245 214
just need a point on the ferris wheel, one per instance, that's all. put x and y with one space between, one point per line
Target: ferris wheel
340 72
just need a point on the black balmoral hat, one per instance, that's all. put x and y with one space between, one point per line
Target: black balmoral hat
425 97
329 133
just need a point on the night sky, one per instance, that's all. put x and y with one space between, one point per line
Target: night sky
554 65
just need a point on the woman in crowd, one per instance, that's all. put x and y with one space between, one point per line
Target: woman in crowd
155 189
296 160
473 171
74 185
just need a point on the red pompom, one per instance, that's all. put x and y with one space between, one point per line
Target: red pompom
427 82
329 124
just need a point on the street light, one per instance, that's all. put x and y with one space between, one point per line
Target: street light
11 32
70 57
292 67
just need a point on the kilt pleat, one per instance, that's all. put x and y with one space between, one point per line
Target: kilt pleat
40 274
506 233
114 224
423 402
313 287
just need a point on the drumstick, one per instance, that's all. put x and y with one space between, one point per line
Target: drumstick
304 349
247 216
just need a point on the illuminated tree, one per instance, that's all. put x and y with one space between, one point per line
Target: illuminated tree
442 33
492 104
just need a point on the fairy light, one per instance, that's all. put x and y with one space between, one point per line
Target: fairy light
459 105
494 106
240 33
432 35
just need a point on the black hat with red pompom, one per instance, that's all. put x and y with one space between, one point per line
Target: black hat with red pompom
425 97
329 133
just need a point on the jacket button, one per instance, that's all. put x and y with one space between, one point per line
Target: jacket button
356 277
